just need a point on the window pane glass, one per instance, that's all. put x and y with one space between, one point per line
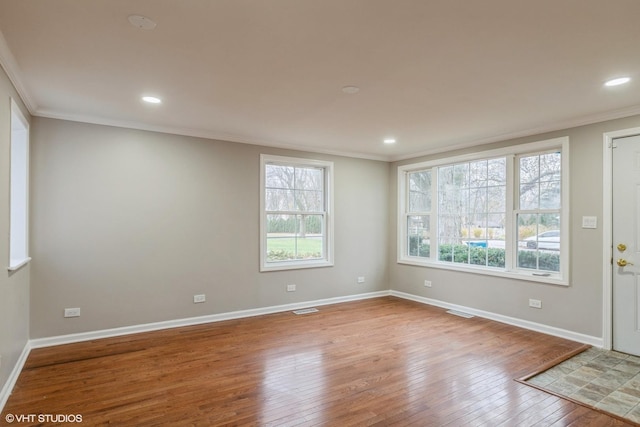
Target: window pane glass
279 200
461 175
420 191
496 199
309 201
550 167
419 236
290 188
309 178
550 195
478 174
529 170
294 237
19 189
497 171
279 176
467 205
539 242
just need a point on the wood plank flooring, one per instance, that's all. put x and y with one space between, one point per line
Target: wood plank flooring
384 361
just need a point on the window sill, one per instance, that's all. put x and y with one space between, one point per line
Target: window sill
293 265
527 276
17 264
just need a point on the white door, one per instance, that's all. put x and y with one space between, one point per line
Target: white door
626 245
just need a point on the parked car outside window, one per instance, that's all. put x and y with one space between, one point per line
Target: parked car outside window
549 240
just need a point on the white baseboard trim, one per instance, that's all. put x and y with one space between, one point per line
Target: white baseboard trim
127 330
13 377
148 327
533 326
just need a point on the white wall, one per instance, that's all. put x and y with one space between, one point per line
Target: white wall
14 286
128 225
577 308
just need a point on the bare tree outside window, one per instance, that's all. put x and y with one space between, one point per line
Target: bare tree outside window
295 209
471 212
497 213
539 212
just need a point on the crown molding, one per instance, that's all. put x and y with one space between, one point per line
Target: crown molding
11 67
556 126
201 133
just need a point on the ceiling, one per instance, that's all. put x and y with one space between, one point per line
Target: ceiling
433 74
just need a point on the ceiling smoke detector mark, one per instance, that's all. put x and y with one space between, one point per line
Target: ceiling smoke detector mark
142 22
350 90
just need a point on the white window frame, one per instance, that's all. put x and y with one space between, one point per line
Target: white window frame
327 260
511 233
19 190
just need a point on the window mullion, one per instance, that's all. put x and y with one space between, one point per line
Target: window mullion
511 233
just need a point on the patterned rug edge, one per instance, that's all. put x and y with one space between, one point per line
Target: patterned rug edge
557 361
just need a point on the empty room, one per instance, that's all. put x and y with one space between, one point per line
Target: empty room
319 213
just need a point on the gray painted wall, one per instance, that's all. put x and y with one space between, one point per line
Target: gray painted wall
577 308
128 225
14 287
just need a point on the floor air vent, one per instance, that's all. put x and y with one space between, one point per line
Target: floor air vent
460 313
305 311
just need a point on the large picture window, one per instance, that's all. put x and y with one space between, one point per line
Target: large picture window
501 212
296 218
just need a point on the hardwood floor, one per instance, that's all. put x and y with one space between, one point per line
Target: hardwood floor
384 361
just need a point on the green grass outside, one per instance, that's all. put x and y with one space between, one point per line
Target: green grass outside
307 245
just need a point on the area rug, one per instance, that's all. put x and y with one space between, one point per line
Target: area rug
606 381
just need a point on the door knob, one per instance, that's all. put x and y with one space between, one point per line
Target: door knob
622 247
623 262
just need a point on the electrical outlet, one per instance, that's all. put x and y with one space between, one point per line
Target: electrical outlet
427 283
291 288
199 298
72 312
361 279
535 303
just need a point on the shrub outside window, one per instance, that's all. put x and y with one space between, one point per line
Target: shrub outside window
502 212
296 225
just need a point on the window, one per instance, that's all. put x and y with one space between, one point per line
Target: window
296 213
500 212
19 190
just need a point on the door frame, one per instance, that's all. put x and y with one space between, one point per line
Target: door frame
607 232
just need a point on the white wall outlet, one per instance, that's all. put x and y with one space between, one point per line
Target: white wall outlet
72 312
291 288
360 279
535 303
199 298
427 283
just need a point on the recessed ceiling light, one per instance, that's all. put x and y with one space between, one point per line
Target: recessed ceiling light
618 81
350 90
142 22
151 99
389 141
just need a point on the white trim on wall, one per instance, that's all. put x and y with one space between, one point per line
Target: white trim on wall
149 327
7 388
525 324
607 236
